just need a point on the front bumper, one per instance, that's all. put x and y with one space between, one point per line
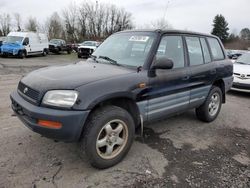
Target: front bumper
241 85
84 52
72 121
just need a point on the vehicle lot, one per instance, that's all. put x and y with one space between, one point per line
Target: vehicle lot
178 152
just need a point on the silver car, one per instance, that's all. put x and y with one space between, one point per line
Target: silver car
242 73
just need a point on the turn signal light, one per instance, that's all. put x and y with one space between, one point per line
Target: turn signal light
49 124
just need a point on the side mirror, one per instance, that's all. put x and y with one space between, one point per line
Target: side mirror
163 63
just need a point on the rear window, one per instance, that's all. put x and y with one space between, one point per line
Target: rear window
216 49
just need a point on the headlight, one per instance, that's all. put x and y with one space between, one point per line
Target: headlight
60 98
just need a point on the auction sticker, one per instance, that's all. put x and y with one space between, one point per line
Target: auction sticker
139 38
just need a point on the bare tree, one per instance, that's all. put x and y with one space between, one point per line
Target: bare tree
161 23
100 20
32 24
18 21
70 18
5 23
54 26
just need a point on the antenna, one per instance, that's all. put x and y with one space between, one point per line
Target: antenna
166 9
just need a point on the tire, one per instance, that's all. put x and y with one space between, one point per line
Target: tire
210 109
21 54
44 52
114 128
69 51
79 56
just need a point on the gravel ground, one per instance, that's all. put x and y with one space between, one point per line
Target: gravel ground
178 152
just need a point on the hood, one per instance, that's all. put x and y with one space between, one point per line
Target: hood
241 68
11 46
71 76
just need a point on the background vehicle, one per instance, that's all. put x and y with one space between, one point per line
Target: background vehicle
2 39
242 73
133 78
59 45
23 44
86 48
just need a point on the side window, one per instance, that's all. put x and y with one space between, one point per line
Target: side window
205 50
26 41
172 48
216 49
194 51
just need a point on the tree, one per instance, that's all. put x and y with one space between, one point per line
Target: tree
18 20
70 19
32 24
220 27
54 26
161 23
245 34
5 23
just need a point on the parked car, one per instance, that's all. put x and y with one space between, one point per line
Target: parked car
23 44
133 78
86 48
58 45
2 39
242 73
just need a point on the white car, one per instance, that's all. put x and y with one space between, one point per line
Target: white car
86 48
242 73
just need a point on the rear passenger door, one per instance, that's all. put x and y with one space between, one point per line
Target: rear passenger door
169 92
201 69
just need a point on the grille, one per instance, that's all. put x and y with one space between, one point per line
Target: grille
28 92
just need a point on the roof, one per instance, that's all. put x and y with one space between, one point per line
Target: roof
171 31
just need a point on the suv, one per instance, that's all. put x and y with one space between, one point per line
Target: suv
59 45
133 78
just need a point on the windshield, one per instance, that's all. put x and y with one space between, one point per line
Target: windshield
129 49
244 59
54 41
14 39
89 43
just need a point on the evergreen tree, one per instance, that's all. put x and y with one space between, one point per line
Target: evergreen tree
220 27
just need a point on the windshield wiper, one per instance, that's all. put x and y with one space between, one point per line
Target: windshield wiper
113 62
94 58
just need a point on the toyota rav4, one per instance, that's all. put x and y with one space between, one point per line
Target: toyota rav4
133 78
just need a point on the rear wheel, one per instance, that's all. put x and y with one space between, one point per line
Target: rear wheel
108 136
44 52
210 109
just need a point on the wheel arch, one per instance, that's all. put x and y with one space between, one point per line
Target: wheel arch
123 100
220 83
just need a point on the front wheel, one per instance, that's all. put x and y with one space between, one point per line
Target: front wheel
108 136
210 109
21 54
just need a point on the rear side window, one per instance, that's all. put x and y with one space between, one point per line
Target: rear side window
194 51
216 49
172 48
205 50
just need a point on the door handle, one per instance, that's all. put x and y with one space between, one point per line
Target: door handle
213 72
186 78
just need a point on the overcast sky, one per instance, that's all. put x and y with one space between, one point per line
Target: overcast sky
196 15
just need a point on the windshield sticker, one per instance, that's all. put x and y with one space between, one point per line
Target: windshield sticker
139 38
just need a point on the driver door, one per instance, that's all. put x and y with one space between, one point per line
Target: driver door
26 44
169 91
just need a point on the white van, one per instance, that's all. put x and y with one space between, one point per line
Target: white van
23 44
